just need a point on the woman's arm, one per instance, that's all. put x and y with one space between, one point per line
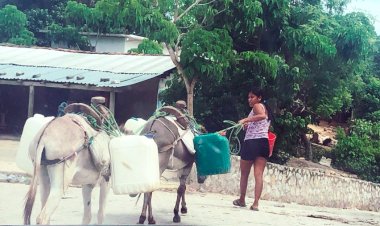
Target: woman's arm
260 114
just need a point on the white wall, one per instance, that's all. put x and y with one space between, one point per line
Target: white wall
315 187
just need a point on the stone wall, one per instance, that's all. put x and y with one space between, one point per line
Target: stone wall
301 185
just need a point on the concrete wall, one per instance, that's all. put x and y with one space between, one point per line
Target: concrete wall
314 187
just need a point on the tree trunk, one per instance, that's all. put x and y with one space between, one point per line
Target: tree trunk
307 145
190 102
190 96
189 84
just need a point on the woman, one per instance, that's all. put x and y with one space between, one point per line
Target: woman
255 149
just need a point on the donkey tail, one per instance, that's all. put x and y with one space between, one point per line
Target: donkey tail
31 195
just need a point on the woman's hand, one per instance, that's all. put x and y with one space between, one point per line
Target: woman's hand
244 122
223 133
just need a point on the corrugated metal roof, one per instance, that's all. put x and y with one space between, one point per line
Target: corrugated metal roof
72 76
117 63
101 70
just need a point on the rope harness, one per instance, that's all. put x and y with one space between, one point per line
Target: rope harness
170 147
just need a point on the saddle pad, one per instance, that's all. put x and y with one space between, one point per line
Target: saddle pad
188 136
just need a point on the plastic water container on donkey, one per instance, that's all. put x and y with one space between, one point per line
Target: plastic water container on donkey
31 127
134 164
212 154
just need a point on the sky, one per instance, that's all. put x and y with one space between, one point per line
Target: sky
371 7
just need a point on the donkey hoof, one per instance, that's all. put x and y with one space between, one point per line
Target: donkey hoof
176 219
142 219
151 221
184 210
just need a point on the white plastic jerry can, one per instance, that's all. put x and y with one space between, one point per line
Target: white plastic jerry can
31 128
134 164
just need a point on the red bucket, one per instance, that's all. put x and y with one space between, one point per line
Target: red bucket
272 140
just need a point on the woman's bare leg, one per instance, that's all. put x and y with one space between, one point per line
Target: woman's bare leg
258 167
245 169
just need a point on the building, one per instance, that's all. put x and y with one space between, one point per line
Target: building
111 43
36 80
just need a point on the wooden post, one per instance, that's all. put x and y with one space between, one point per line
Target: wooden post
112 102
31 101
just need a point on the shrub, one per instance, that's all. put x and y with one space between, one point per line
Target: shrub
279 156
319 151
359 151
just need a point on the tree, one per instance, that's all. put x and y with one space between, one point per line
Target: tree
13 27
305 57
366 86
308 55
196 49
147 47
32 4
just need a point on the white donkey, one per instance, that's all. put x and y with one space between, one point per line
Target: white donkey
62 156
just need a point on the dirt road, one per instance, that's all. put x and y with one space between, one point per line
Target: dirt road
204 209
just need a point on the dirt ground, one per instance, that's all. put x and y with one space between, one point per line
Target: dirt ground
324 129
203 209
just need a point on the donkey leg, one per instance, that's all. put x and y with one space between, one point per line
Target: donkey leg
150 211
185 173
86 194
56 192
183 202
104 190
143 211
180 191
44 185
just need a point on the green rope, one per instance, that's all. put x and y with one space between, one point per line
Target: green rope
233 138
109 124
236 131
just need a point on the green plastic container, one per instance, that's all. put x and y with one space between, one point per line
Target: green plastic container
212 154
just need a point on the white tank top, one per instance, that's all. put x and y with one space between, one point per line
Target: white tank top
258 129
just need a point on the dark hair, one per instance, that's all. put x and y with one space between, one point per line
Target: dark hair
260 93
257 92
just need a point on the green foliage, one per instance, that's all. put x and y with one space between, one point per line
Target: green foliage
289 127
76 13
308 42
355 36
107 16
68 34
333 100
319 151
359 151
287 86
25 37
160 29
206 52
147 47
367 104
310 33
13 26
32 4
280 157
174 90
336 6
251 11
260 63
38 19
